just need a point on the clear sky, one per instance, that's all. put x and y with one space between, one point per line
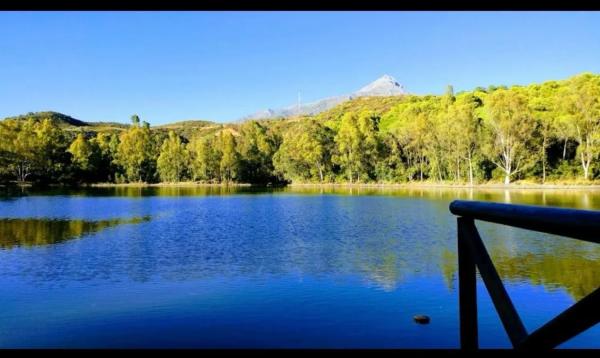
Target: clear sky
171 66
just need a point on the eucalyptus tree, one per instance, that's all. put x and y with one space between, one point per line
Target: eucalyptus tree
582 105
413 124
347 141
543 108
357 145
256 148
107 145
204 158
33 148
84 155
173 160
511 129
229 163
136 152
461 135
305 153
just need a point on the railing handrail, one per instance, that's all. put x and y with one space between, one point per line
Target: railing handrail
472 256
574 223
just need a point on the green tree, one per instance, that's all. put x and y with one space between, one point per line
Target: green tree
347 142
413 123
545 114
82 152
305 152
357 145
465 133
33 148
107 145
391 165
256 148
52 146
204 158
583 107
230 158
173 160
136 153
511 129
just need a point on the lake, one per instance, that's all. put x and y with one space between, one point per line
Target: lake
293 268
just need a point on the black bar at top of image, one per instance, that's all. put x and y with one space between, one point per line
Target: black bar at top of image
299 5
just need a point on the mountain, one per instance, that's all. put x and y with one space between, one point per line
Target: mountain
385 85
61 120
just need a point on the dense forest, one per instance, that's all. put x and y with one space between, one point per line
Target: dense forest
538 133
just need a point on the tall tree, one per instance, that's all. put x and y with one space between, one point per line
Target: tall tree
107 145
511 129
357 145
347 142
230 158
204 158
542 103
305 153
256 148
83 154
391 166
465 132
583 107
136 153
33 148
173 160
414 121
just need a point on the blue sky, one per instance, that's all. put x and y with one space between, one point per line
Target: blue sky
170 66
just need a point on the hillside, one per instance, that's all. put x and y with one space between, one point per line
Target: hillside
68 123
384 86
379 105
455 137
61 120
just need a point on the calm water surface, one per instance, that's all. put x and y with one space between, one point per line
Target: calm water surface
294 267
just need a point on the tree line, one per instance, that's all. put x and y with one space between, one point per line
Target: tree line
536 132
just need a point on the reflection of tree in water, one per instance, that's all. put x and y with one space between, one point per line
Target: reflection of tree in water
39 231
573 198
381 241
385 271
141 191
570 267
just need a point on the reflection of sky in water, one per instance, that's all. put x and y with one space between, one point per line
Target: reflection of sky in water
303 270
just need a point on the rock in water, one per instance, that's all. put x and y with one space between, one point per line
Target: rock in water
421 319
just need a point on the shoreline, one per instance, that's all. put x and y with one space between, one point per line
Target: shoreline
181 184
414 185
450 186
515 186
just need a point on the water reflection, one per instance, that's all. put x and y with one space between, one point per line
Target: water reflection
576 274
302 231
39 231
296 246
581 198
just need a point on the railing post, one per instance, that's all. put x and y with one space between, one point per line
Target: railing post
472 255
467 289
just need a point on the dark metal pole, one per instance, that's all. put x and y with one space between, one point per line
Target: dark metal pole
506 310
578 318
467 289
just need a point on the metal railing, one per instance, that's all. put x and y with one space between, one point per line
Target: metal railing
472 255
